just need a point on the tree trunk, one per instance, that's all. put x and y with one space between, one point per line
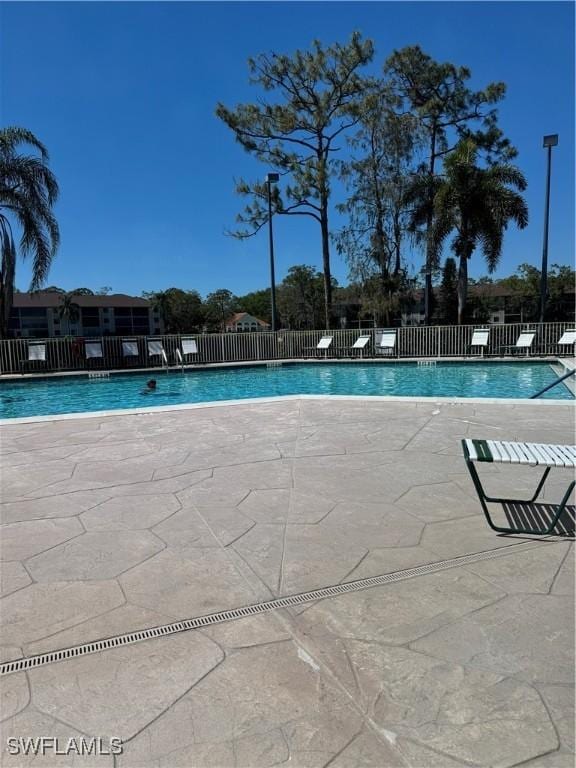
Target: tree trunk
326 263
5 309
462 288
429 223
397 244
6 294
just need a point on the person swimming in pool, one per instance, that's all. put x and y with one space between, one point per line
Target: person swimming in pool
150 387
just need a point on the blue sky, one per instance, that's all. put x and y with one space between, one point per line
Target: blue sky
123 95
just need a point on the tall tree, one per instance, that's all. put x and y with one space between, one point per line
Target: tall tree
447 310
475 203
181 311
300 297
28 191
316 102
384 305
256 303
438 95
69 310
219 306
377 175
82 292
160 302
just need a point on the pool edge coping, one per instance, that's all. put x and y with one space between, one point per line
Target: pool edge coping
199 366
284 398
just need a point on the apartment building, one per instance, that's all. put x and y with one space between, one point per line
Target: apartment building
41 315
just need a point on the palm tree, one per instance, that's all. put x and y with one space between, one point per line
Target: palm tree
28 191
162 303
476 203
69 310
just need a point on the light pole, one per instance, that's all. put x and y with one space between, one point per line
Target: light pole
271 178
549 142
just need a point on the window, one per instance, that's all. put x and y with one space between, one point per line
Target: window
123 317
14 322
33 321
141 320
132 320
90 321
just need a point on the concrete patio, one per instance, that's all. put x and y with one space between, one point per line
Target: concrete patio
118 523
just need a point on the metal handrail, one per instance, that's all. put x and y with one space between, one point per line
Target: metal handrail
553 384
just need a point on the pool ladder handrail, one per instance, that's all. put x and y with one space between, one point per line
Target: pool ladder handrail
553 384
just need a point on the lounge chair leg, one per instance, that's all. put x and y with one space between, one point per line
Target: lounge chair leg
561 507
499 529
482 498
520 501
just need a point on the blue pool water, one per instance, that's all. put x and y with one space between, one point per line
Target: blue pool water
75 394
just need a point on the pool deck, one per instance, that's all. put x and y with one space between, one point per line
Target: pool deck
117 523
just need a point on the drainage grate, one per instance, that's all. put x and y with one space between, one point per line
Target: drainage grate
97 646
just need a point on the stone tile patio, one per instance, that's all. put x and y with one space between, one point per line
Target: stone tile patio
118 523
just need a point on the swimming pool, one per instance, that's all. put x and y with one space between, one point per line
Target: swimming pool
75 394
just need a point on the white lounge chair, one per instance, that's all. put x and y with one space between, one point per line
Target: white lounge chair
524 341
36 352
189 347
156 349
568 338
386 342
480 338
361 343
526 515
325 343
129 348
93 349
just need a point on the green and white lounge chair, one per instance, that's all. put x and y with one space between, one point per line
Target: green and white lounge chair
36 356
386 342
129 348
94 354
189 347
36 352
361 343
568 339
523 342
93 349
480 339
156 349
324 344
519 510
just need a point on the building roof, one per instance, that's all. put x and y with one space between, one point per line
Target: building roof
54 299
239 316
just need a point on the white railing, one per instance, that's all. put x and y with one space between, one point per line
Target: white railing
68 354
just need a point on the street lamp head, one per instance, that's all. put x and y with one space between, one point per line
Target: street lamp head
272 178
551 140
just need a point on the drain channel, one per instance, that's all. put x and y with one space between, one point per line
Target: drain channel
30 662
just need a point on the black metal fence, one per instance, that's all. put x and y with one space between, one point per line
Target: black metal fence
69 354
